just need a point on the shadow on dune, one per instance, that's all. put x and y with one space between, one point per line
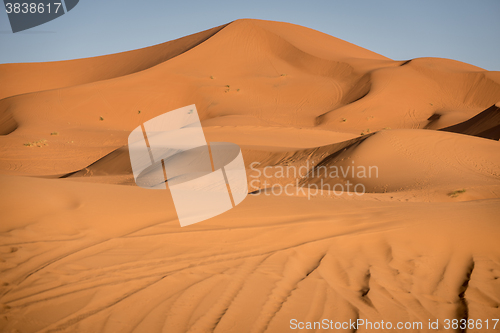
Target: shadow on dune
485 125
7 122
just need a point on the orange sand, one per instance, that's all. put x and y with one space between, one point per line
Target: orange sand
82 249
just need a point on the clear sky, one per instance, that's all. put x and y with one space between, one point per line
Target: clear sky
464 30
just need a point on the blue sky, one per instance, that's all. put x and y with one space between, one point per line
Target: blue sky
468 31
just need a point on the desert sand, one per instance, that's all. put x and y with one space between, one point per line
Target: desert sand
83 249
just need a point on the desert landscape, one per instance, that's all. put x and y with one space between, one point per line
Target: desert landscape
83 249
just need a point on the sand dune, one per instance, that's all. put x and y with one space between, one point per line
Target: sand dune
89 263
85 250
281 82
31 77
485 125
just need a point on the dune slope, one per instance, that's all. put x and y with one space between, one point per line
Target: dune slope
108 258
485 125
